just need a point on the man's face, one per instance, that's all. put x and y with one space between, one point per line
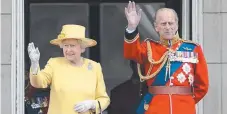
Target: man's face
166 24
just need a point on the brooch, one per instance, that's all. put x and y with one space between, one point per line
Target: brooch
89 67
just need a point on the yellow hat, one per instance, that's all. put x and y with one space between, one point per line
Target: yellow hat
73 32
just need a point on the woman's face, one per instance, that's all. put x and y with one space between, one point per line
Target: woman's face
72 49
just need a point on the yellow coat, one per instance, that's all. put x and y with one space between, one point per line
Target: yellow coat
71 85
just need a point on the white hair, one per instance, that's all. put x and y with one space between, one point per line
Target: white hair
82 44
166 9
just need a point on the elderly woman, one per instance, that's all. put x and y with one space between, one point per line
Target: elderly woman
77 84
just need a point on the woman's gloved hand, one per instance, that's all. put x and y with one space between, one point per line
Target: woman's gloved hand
84 106
34 56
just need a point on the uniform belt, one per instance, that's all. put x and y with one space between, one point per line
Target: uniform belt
182 90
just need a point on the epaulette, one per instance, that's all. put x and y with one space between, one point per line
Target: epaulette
189 41
152 40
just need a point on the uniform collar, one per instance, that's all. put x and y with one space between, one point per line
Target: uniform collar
173 41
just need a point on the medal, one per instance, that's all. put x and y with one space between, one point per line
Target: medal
146 106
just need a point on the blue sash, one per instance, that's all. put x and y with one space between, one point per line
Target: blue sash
160 78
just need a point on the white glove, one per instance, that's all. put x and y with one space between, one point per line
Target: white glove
84 106
34 56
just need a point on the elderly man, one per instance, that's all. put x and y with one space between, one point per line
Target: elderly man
175 69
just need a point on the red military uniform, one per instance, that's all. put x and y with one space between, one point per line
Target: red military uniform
175 63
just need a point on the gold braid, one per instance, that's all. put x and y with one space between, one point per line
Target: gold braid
163 59
149 54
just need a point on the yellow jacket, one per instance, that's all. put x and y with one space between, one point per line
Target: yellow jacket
71 85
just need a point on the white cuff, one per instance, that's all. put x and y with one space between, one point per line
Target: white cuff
129 31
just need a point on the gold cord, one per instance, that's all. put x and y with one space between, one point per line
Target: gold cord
152 62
